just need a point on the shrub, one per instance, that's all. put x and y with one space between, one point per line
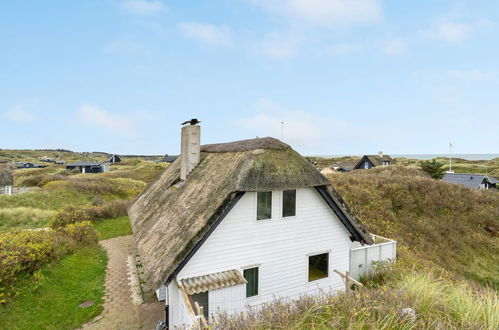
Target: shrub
68 216
110 210
433 168
22 253
81 232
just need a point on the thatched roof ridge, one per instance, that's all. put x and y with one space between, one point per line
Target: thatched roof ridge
171 217
268 143
6 177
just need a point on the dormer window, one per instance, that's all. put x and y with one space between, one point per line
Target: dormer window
264 205
386 163
288 203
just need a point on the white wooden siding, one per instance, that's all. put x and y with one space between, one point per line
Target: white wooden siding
280 247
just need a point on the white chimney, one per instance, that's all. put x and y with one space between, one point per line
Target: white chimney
189 148
380 154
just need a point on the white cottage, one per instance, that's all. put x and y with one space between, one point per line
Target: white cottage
237 224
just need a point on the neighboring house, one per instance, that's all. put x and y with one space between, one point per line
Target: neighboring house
168 159
474 181
47 160
89 167
370 161
242 223
59 162
6 178
115 159
344 167
29 165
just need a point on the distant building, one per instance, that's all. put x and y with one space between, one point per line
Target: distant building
345 167
28 165
47 160
115 159
89 167
6 177
168 159
473 181
370 161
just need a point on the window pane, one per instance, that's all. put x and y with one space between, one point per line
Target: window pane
264 205
251 275
318 266
289 203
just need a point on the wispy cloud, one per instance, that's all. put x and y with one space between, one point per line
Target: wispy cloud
302 129
207 34
19 114
278 45
453 31
394 46
124 46
345 48
468 75
143 7
326 13
124 125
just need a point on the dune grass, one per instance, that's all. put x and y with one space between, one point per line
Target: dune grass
434 302
24 217
54 304
110 228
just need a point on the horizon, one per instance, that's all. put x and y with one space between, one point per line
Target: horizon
344 77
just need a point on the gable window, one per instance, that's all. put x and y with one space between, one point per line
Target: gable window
264 205
366 165
289 203
318 266
251 275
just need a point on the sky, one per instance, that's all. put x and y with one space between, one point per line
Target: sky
328 77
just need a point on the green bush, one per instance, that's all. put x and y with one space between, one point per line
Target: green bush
22 253
68 216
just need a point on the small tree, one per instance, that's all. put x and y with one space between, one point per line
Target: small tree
433 168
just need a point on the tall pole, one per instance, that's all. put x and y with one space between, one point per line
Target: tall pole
282 130
450 157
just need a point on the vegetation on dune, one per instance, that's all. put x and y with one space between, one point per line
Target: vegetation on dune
434 222
113 227
52 301
24 217
407 301
433 168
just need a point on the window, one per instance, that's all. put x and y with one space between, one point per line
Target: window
264 205
251 275
366 165
318 266
289 203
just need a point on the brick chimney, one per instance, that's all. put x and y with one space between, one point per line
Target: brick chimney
190 147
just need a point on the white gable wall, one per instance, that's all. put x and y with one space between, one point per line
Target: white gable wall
280 247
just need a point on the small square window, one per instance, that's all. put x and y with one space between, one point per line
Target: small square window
318 266
289 203
251 275
264 205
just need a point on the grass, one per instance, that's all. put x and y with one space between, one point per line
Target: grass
110 228
24 217
64 286
435 223
437 304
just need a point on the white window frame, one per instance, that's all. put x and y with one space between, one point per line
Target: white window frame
255 208
329 270
259 266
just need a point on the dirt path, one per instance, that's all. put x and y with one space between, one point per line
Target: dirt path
119 310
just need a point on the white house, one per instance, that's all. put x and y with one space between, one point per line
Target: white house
239 224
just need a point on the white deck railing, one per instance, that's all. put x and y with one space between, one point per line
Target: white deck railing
362 257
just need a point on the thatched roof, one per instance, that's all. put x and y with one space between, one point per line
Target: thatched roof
172 217
376 160
6 177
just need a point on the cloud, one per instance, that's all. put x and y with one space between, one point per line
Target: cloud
124 46
100 118
143 7
207 34
326 13
468 75
345 48
278 45
18 114
451 31
395 46
303 130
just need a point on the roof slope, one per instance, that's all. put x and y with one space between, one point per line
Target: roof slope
171 216
376 160
469 180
